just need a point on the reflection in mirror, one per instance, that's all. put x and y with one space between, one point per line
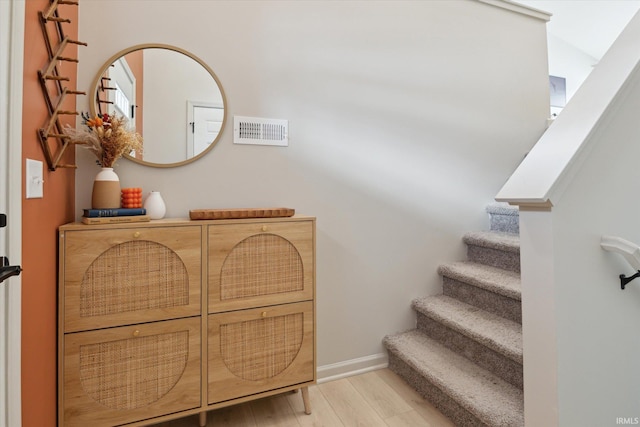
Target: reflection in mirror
171 97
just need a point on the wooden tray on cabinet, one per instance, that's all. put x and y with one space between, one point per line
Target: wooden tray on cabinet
240 213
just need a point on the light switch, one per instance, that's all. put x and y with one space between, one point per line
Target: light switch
34 178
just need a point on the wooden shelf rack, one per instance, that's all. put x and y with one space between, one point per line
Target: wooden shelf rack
56 92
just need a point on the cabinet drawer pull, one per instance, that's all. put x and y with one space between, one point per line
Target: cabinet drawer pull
136 333
136 234
263 314
264 228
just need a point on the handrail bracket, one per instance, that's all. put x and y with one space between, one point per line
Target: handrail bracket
624 280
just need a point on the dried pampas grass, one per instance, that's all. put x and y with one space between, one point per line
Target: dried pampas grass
108 137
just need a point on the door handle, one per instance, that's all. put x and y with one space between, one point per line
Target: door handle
8 271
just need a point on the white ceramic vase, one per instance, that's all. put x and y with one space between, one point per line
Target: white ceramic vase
154 204
106 190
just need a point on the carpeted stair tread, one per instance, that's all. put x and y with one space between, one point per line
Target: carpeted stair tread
497 280
504 218
490 399
497 333
507 242
499 208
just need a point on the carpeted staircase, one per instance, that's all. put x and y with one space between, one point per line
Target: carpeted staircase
465 355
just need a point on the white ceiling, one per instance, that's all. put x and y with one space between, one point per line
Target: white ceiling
589 25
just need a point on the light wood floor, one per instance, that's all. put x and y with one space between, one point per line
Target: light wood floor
375 399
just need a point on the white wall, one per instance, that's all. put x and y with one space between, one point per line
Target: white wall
579 33
581 344
597 322
405 119
567 61
598 342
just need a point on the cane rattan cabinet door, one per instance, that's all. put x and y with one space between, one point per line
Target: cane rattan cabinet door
256 350
118 276
121 375
260 263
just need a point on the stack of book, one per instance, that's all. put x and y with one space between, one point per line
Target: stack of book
114 216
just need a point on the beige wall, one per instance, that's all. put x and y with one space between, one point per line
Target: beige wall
405 119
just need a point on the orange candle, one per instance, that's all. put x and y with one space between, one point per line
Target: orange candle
131 197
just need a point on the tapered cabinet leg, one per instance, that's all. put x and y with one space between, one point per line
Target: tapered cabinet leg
203 419
305 400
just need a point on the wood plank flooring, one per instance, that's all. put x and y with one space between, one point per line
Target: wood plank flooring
375 399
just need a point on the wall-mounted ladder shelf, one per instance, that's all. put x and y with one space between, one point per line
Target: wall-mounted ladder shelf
52 84
102 89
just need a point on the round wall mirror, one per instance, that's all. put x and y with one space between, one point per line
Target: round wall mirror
172 98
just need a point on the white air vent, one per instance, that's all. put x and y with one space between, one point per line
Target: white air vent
257 131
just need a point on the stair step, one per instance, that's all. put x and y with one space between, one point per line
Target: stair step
500 250
490 341
489 288
493 279
504 217
495 332
466 393
507 242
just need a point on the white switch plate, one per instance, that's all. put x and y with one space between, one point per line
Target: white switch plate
34 178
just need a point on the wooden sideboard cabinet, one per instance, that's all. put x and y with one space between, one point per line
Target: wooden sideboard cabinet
173 317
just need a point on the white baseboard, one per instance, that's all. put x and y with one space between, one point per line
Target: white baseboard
348 368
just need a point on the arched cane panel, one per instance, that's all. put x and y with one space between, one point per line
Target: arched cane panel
262 264
133 373
262 348
132 276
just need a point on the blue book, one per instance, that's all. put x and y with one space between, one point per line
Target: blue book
96 213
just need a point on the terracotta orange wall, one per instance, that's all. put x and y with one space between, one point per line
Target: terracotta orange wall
40 221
